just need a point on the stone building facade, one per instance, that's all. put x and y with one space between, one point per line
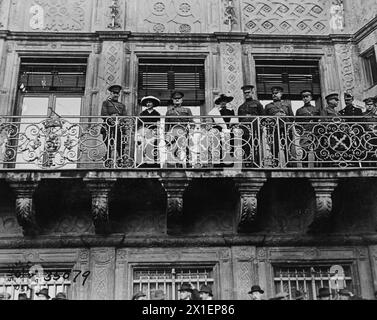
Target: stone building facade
170 225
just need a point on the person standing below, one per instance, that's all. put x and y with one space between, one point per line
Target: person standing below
148 130
278 130
307 114
185 292
139 296
205 293
177 128
324 293
42 294
248 112
111 130
256 292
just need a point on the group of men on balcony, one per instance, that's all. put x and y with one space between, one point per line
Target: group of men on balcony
179 121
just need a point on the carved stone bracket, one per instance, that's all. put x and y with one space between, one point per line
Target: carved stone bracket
99 191
25 210
248 189
175 188
323 189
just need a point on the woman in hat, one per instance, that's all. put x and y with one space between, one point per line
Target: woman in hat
256 292
221 138
205 293
147 131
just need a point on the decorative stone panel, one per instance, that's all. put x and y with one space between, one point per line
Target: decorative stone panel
102 262
286 16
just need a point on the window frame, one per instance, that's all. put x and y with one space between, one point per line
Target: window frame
371 78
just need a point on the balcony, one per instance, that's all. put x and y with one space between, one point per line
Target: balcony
246 159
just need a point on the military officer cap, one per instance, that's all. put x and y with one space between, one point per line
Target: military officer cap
177 94
115 88
333 95
348 95
277 88
248 87
305 92
223 97
156 101
369 100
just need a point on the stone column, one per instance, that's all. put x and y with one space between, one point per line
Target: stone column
323 189
99 191
25 210
175 188
248 189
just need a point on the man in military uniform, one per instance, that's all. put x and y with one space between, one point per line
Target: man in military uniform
178 129
278 108
332 101
248 111
350 110
111 130
370 106
308 113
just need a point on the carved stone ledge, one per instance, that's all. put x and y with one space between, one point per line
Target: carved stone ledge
175 188
323 189
99 190
248 189
25 210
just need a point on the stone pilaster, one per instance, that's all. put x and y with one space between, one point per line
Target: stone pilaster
25 211
99 191
248 189
323 189
175 189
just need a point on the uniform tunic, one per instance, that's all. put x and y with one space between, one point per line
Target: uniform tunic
110 107
279 108
250 108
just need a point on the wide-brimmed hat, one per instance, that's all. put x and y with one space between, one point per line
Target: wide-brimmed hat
177 94
43 292
280 296
323 292
156 101
138 294
115 88
225 98
255 288
23 296
158 295
206 289
60 296
5 295
185 287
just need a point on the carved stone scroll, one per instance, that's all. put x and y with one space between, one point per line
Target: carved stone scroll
323 189
25 210
175 189
99 191
248 189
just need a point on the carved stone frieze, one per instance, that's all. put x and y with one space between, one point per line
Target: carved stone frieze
102 277
248 189
175 189
323 189
286 16
345 63
99 191
25 211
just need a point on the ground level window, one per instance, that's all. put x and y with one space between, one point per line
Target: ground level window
169 279
309 278
29 281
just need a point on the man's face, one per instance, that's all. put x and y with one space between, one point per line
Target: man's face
369 105
177 101
184 295
277 95
334 102
348 101
256 295
114 95
248 93
204 295
150 105
306 97
40 297
223 104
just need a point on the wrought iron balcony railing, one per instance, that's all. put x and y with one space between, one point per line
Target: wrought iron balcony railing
190 143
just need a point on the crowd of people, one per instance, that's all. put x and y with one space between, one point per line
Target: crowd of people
41 294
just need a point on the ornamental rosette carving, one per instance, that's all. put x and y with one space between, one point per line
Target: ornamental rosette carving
248 212
175 208
100 212
26 215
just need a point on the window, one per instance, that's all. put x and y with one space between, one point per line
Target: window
169 279
18 280
309 278
293 75
370 62
159 77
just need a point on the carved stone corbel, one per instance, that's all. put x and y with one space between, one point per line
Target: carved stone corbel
175 188
248 189
323 189
99 190
25 210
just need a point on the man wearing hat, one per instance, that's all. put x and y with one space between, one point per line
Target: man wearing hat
324 293
344 294
205 293
248 111
332 101
185 291
60 296
5 296
278 108
178 131
307 113
139 296
158 295
147 130
370 107
42 294
256 292
111 108
23 296
350 110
